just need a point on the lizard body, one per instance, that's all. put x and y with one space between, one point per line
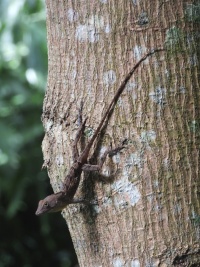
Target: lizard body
58 201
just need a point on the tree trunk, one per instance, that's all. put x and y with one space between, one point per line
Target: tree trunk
149 214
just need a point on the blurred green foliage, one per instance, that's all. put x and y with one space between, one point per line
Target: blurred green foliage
25 240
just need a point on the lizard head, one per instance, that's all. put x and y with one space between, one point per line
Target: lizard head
52 203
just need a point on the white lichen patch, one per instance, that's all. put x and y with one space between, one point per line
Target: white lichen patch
107 28
96 209
102 151
194 126
177 208
48 125
97 21
131 86
109 77
116 158
150 198
139 51
107 201
135 2
58 128
127 191
118 262
156 183
135 263
91 30
106 172
73 74
103 1
120 102
148 136
182 90
159 95
86 33
120 203
134 159
166 163
72 15
59 160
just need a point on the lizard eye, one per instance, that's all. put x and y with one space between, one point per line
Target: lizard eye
46 204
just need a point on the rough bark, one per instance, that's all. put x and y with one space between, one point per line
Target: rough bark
149 214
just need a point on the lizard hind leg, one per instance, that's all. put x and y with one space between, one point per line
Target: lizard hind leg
109 152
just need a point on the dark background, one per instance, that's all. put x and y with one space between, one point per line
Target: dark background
25 240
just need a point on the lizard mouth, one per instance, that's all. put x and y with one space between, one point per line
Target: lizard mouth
38 213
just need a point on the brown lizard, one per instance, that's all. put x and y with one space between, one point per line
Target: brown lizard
58 201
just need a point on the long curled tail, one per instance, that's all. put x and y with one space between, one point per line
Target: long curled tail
115 99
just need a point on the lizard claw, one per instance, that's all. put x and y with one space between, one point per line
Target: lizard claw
113 152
